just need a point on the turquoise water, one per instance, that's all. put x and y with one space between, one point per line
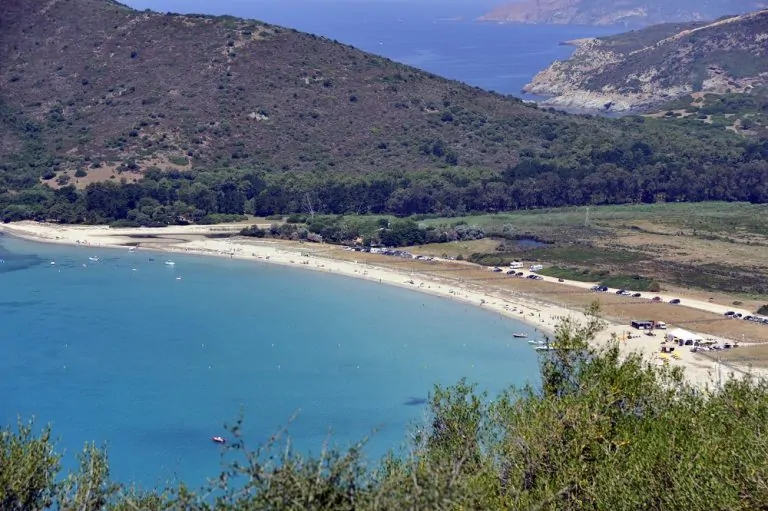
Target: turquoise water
153 365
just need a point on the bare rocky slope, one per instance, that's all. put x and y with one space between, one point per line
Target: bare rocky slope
634 13
637 70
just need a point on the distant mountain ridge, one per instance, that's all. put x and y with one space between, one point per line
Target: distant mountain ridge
639 69
631 13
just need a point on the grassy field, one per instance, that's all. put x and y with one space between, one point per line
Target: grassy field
715 248
755 356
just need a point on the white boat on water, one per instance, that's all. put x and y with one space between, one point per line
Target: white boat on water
536 342
170 263
520 336
95 259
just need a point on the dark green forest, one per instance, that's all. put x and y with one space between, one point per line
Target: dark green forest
655 162
600 431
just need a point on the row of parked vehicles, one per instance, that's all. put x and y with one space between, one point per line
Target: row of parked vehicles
747 317
624 292
520 274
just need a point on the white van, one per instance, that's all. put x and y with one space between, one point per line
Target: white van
536 267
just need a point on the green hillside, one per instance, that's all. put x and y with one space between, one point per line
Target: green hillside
110 114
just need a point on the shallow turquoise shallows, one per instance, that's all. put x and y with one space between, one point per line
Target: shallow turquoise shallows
122 351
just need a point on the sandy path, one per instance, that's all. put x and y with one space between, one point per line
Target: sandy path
193 240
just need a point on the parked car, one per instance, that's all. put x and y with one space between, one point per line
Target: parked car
656 299
510 272
496 270
620 292
738 315
561 280
729 313
603 289
519 274
595 288
674 301
636 295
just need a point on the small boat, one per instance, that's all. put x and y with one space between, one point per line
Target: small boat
218 440
95 259
170 263
535 342
520 336
132 249
544 348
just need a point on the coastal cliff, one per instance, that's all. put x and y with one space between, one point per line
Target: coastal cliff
637 70
608 12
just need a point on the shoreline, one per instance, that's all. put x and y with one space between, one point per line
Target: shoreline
193 240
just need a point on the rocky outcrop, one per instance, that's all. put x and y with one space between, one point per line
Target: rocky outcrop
639 70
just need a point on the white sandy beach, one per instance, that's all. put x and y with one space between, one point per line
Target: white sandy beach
192 240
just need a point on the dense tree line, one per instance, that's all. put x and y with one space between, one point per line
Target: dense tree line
601 432
366 231
634 174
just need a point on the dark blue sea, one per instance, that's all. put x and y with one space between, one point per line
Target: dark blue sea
120 351
439 37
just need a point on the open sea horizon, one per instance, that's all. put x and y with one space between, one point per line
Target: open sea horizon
121 352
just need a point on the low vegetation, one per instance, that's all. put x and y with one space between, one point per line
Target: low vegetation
745 113
601 431
708 246
603 278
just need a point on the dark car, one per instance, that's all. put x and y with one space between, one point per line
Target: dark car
603 289
674 301
561 280
656 299
519 274
636 295
510 272
729 313
620 292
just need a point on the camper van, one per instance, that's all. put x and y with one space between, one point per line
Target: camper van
516 264
536 267
661 325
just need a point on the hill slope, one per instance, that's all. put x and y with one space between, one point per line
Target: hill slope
641 69
610 12
159 118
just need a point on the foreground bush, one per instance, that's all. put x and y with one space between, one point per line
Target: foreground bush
602 432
